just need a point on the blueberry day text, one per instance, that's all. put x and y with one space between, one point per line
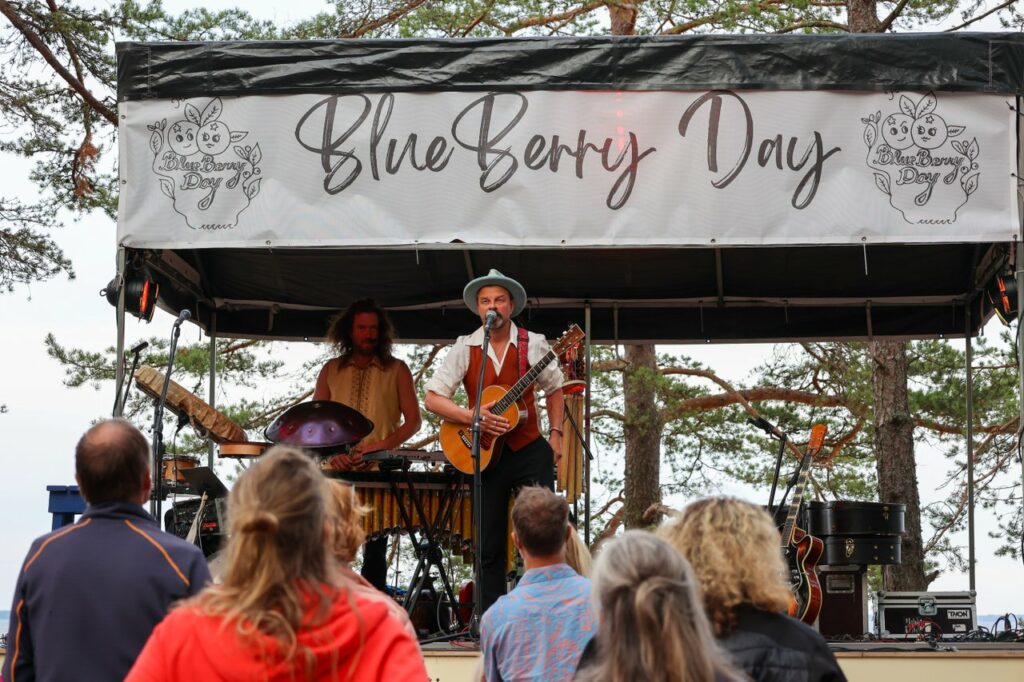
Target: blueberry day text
484 125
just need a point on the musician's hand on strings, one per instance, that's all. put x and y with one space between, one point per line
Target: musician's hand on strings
492 424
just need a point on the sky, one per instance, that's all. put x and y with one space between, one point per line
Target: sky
45 418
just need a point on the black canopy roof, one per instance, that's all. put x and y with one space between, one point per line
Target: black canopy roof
670 294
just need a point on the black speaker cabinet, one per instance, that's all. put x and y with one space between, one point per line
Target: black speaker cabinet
844 601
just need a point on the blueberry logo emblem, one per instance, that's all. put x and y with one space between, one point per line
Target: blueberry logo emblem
203 167
919 163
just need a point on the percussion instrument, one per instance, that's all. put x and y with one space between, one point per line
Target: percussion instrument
175 465
324 427
242 450
205 419
569 478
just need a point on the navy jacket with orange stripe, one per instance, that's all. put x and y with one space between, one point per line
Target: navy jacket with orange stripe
89 595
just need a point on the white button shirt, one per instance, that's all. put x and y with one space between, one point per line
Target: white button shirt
448 378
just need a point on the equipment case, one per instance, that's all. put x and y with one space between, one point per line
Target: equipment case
909 615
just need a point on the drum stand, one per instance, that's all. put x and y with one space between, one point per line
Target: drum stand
427 547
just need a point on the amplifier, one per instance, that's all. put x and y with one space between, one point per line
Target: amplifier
910 615
212 528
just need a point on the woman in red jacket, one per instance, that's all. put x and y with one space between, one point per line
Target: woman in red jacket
280 613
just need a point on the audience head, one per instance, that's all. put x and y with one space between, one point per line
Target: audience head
733 547
112 463
278 559
540 520
345 514
652 626
577 555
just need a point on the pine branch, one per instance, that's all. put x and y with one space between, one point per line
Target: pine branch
44 51
387 19
978 18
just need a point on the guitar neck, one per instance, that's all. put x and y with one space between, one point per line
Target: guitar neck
524 382
798 498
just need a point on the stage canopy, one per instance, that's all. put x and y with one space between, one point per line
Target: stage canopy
687 189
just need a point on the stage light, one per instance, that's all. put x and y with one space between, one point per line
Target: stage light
1002 296
140 296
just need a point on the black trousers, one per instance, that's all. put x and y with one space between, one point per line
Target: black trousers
375 562
534 464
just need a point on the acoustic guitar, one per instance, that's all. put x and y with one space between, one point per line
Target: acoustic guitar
457 439
802 550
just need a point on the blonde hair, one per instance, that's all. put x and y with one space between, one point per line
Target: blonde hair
278 562
734 549
652 626
577 555
345 514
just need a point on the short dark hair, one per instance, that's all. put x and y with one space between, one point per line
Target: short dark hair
111 462
339 333
541 519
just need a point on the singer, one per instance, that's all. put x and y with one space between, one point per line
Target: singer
527 458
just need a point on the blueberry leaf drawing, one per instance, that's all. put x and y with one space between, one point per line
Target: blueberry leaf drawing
972 150
882 182
238 135
253 189
926 105
212 111
971 183
256 156
906 106
241 153
192 114
869 135
167 187
953 131
156 141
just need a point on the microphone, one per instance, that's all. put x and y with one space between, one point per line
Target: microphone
492 315
182 316
139 347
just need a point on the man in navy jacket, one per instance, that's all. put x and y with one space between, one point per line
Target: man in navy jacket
89 594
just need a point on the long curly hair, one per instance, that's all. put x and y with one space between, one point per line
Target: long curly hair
734 549
339 333
278 563
652 626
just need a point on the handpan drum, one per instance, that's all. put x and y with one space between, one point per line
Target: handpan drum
322 426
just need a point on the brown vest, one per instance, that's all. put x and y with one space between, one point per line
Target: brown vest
527 431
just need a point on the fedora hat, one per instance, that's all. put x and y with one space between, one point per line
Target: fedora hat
495 279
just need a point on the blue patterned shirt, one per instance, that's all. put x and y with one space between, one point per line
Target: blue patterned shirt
538 630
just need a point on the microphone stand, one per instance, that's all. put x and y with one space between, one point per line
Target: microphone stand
156 503
478 592
773 432
123 400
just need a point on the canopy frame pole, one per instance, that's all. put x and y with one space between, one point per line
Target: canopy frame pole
969 389
586 428
213 377
1019 273
119 378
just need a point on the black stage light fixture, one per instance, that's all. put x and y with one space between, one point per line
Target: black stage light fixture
140 295
1002 295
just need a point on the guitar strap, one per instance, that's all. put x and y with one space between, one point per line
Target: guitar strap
523 349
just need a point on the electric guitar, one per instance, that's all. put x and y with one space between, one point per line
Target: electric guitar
457 439
802 550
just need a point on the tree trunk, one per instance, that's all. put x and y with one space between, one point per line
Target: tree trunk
623 18
862 16
894 453
642 432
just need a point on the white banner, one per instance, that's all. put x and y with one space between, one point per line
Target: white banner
568 169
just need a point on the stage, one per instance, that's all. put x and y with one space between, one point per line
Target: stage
860 661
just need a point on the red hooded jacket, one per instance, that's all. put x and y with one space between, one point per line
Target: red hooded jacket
189 645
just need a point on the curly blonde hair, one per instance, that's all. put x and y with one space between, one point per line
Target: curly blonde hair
345 514
735 551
